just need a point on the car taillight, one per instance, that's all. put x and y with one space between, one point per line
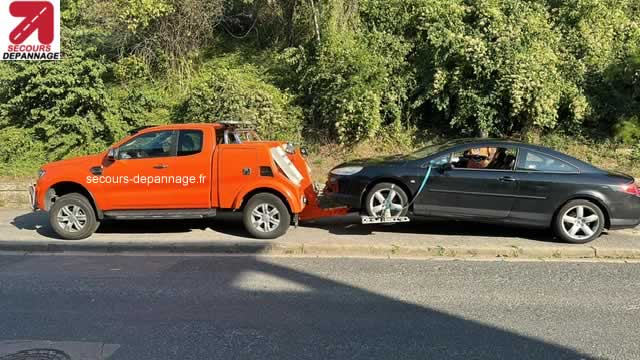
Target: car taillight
631 189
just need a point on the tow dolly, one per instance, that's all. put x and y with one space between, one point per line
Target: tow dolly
314 209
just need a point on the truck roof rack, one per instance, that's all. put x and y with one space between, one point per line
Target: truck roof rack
238 124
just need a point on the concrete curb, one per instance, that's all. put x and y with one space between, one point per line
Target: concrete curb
553 251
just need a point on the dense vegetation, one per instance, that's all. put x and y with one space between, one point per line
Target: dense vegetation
338 71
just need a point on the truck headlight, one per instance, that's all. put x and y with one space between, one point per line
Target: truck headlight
289 148
41 173
346 170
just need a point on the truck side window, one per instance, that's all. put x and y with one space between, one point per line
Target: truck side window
149 145
189 142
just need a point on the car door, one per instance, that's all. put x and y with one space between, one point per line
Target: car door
141 175
544 180
470 192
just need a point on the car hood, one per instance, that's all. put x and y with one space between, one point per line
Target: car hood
91 160
393 160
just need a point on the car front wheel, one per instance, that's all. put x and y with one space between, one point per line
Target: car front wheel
72 217
579 222
266 216
386 200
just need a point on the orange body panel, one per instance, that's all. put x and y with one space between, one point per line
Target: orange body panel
224 175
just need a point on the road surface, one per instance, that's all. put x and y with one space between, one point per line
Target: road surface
137 307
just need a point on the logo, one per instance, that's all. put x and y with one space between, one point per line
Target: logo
30 30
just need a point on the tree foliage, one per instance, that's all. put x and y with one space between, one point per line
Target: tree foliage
225 91
347 70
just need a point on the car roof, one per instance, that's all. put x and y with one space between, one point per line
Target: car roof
458 144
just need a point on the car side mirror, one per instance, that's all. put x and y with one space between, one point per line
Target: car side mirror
112 155
446 167
439 166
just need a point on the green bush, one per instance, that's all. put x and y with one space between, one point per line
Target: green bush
224 91
627 130
353 85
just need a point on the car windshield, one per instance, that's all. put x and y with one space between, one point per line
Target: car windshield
429 150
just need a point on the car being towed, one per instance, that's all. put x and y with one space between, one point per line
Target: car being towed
490 180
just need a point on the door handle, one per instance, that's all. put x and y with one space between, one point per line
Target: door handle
161 166
506 179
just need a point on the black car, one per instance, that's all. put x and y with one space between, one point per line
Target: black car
495 181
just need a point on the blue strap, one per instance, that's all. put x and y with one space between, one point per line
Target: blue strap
424 181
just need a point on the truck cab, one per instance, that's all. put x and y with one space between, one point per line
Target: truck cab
180 171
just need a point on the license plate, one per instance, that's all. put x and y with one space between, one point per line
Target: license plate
383 220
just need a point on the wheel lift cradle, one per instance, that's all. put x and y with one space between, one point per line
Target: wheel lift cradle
314 210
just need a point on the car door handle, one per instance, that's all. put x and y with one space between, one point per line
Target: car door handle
506 179
161 166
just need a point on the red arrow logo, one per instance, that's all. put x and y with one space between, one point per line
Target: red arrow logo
38 15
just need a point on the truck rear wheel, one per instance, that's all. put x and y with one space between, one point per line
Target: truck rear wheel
266 216
72 217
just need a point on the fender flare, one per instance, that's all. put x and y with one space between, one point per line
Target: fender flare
92 198
294 204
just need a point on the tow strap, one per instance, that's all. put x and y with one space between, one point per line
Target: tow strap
387 202
424 182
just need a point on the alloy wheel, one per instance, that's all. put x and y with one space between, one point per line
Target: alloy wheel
72 218
386 199
265 218
580 222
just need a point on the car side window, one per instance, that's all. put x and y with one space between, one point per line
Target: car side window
149 145
485 158
189 142
534 161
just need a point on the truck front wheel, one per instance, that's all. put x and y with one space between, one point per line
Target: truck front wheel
266 216
72 217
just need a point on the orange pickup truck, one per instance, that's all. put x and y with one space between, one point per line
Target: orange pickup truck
180 171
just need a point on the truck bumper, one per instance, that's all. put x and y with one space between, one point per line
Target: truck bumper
33 197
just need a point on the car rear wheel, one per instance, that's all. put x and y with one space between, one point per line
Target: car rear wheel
72 217
579 222
386 199
266 216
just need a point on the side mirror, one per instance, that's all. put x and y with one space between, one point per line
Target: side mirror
112 155
439 166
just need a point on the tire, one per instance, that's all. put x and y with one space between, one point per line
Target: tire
266 217
72 217
579 222
376 197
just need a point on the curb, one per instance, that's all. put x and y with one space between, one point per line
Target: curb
334 250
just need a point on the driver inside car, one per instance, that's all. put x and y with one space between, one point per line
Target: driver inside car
479 158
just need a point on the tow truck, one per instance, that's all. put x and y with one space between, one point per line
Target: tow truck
182 171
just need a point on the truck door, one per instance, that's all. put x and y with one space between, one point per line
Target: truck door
126 181
194 169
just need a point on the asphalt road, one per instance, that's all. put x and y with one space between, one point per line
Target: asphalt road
207 307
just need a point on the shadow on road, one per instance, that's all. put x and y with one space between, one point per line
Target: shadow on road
351 225
231 224
226 223
235 308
